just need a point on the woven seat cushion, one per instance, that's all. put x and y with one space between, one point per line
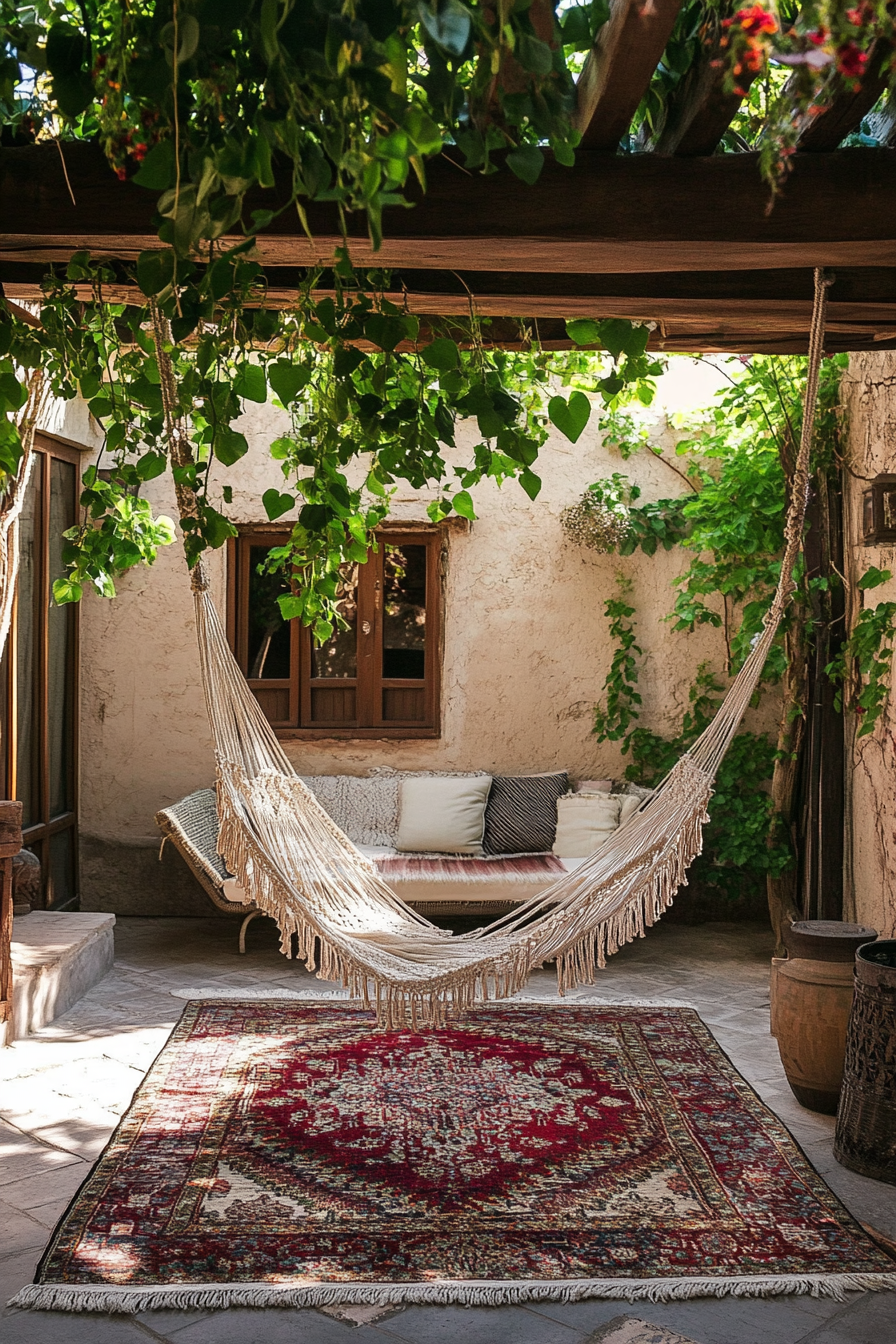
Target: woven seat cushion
521 813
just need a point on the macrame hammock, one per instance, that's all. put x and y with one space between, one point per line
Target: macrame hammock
298 867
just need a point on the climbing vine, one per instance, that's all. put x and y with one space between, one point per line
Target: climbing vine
736 455
359 381
863 667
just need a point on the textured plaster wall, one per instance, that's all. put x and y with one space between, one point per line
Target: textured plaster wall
870 394
526 653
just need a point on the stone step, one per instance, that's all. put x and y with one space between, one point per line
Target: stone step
56 957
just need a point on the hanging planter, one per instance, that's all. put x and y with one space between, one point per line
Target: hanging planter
599 520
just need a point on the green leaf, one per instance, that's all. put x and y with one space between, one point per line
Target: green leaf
155 271
622 337
463 504
583 330
290 606
441 355
158 171
526 162
448 23
250 383
576 28
570 417
73 93
530 482
230 446
66 590
275 504
151 465
287 379
534 55
874 577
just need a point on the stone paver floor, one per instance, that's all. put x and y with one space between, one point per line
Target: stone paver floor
63 1090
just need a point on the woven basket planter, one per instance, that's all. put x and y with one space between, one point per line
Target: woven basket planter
866 1121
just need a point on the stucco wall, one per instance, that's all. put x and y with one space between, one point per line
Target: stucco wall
526 653
870 397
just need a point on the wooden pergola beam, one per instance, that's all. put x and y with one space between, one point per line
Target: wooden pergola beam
619 68
619 214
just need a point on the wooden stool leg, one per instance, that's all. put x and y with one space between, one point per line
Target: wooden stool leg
244 926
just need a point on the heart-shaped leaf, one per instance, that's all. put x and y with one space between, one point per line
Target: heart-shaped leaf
287 379
570 417
230 446
275 504
583 330
441 355
526 162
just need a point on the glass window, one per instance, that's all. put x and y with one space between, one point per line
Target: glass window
377 675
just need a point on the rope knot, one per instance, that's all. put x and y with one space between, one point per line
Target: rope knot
199 578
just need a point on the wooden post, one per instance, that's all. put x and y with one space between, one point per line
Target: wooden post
10 844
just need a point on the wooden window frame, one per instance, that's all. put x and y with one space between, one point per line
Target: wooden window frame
37 835
300 684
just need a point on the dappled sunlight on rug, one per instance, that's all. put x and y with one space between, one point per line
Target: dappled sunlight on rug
291 1152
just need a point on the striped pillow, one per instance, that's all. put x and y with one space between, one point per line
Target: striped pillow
521 813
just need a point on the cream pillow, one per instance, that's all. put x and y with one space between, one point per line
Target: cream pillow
628 803
442 814
584 822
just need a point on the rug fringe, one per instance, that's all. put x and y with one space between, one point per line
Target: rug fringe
215 1297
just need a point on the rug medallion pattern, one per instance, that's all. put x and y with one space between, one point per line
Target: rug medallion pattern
294 1143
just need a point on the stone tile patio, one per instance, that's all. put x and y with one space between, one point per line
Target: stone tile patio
63 1090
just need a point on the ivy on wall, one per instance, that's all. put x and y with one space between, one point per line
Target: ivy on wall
738 453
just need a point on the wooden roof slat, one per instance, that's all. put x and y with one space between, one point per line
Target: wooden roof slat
827 127
700 111
619 68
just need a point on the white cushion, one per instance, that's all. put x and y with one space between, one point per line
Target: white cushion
442 814
584 822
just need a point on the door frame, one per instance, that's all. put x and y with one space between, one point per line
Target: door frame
36 836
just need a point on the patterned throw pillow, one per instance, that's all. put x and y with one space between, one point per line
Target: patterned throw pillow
521 814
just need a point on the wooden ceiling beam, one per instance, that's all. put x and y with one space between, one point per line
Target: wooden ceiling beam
610 214
696 314
619 68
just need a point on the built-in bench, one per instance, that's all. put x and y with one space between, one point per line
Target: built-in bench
435 884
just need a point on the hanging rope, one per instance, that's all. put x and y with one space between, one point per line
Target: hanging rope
297 866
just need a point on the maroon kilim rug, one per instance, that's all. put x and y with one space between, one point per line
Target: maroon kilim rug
285 1152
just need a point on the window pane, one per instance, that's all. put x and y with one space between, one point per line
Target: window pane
60 642
26 752
338 657
270 646
404 611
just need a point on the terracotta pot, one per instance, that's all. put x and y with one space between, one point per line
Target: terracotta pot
811 997
866 1121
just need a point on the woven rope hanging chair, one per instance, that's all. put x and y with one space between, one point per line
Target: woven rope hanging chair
297 866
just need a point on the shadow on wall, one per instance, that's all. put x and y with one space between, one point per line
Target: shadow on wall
129 879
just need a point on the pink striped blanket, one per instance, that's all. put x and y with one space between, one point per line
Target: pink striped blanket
460 868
